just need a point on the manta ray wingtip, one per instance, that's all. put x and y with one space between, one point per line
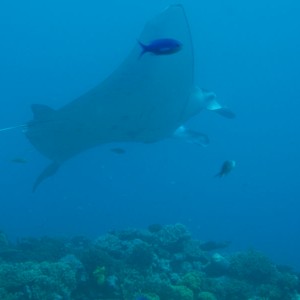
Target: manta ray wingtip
48 172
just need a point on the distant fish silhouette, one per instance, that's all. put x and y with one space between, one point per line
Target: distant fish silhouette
161 47
118 150
226 168
212 245
19 160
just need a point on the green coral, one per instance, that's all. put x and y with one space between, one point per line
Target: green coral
193 280
206 296
99 275
4 295
283 288
232 289
173 237
140 255
181 292
35 281
162 264
253 267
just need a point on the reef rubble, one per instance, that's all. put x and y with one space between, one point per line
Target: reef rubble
157 263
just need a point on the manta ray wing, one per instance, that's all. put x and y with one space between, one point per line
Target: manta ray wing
141 101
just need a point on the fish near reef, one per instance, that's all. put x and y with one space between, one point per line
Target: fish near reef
212 246
161 47
226 168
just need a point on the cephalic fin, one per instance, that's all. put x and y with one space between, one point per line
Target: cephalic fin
212 104
225 112
191 136
197 138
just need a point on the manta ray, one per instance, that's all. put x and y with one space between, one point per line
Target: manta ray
146 99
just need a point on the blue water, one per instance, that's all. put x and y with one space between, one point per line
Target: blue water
247 52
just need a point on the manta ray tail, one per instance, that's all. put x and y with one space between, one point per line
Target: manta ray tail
218 175
13 127
49 171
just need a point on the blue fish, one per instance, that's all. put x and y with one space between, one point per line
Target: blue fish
161 47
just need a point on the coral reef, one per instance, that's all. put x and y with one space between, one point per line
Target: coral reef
253 267
158 263
30 280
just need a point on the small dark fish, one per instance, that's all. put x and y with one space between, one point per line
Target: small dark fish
154 228
19 160
118 150
161 47
212 246
226 168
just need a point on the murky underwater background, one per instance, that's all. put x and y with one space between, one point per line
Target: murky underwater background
246 52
